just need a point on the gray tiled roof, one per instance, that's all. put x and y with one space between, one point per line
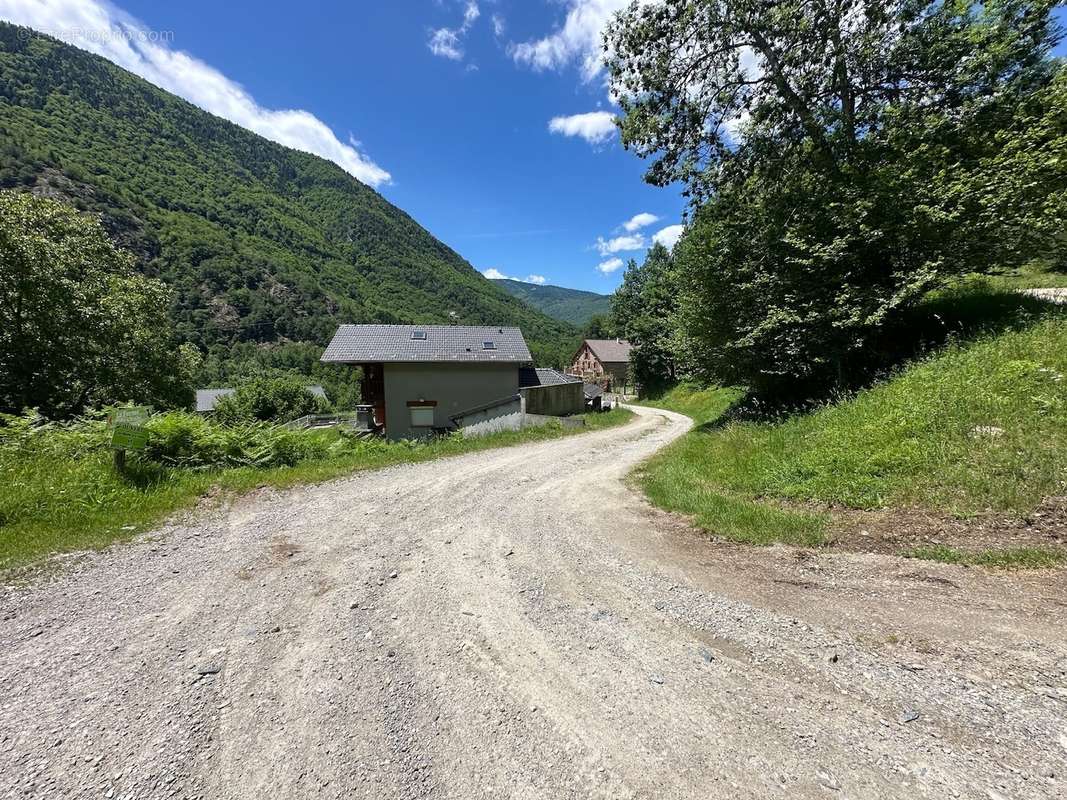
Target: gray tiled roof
543 376
610 350
375 344
207 398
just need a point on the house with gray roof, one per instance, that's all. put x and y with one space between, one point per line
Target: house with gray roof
605 362
420 378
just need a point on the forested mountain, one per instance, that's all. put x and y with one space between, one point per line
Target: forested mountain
567 305
266 248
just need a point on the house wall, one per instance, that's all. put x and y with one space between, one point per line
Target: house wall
587 365
619 372
455 387
507 416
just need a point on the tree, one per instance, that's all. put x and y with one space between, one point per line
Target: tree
79 326
599 326
643 310
828 149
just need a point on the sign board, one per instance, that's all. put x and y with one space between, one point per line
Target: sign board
127 428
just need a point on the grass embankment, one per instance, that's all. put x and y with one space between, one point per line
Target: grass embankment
979 426
59 491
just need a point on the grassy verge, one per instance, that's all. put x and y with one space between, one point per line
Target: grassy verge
980 426
59 499
1008 558
1029 279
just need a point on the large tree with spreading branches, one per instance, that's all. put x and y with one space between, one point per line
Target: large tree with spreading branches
833 151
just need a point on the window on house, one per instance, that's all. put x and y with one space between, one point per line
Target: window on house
489 345
419 335
422 416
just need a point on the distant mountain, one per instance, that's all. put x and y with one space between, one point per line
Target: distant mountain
567 305
266 248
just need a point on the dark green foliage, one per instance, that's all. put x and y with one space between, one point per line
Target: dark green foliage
181 439
279 398
572 306
871 153
643 310
78 325
600 326
263 246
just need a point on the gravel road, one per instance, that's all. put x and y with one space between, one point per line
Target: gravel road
518 623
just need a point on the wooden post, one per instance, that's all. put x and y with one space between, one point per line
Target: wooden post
120 460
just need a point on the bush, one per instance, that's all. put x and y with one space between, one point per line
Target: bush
269 399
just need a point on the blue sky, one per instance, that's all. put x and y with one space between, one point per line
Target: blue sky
486 120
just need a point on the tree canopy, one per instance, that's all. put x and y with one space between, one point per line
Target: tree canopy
843 158
643 311
79 325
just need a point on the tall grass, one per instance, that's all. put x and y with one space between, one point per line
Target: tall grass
59 490
978 426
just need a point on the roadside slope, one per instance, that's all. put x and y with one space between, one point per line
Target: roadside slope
546 634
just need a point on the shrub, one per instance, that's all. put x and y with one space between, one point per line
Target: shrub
181 439
269 399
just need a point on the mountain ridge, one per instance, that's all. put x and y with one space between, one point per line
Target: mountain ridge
573 306
266 248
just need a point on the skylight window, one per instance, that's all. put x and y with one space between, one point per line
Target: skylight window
419 335
489 345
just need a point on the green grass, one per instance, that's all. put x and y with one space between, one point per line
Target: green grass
57 500
978 426
1031 277
1008 558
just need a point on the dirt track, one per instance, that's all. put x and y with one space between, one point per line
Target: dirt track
546 635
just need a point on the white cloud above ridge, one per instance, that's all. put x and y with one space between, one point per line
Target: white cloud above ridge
494 274
669 236
596 127
620 244
576 41
105 30
609 266
638 221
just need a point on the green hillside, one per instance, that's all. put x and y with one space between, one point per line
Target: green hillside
567 305
260 243
978 428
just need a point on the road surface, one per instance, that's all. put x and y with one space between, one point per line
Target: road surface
518 623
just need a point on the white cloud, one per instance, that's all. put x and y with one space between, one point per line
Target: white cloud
578 41
609 266
595 127
494 274
499 25
445 42
103 29
470 13
638 221
619 244
669 236
448 42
